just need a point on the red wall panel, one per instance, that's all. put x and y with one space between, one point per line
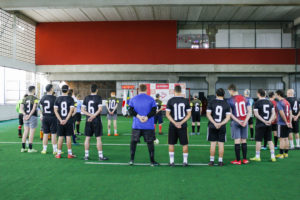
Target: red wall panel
138 42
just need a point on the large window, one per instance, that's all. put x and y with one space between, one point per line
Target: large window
199 35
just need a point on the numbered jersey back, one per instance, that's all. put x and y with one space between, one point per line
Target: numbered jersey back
264 108
64 105
178 106
284 106
28 103
92 103
47 105
196 105
294 103
112 102
239 106
219 109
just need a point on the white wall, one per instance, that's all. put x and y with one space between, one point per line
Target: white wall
8 112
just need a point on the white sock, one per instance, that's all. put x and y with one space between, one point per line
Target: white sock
258 154
298 142
212 158
59 152
100 154
116 131
171 154
54 147
291 143
272 154
185 157
86 153
70 151
108 131
220 159
45 147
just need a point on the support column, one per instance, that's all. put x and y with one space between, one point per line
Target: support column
286 81
211 80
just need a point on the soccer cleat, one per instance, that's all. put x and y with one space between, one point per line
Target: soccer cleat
252 139
192 133
20 135
23 150
116 134
70 156
185 164
44 152
297 148
58 156
292 148
54 152
160 133
285 155
273 159
255 159
245 161
221 164
263 148
172 164
275 148
85 158
235 162
154 164
211 163
198 133
280 156
131 162
108 134
103 158
32 151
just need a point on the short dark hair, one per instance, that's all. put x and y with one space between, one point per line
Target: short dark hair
143 88
220 92
31 88
157 95
178 89
65 88
280 93
25 95
271 94
71 92
261 92
232 87
94 88
49 87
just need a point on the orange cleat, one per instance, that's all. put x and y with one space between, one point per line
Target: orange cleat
71 156
58 156
235 162
108 134
116 134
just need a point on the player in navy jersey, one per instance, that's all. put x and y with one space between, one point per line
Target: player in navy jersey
48 119
294 102
143 108
218 114
265 113
240 114
250 122
178 112
92 108
284 123
63 109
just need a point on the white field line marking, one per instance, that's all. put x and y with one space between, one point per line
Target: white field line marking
141 164
94 144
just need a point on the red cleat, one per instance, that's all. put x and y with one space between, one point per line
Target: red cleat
245 161
58 156
71 156
116 134
109 134
236 162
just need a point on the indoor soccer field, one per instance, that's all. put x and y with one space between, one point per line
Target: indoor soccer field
37 176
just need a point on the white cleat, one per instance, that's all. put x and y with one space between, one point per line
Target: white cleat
32 151
23 150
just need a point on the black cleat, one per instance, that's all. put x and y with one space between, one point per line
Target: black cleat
154 164
131 162
297 148
211 163
103 158
85 158
221 164
185 165
161 133
172 164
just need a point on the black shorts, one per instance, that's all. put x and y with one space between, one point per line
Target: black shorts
263 132
158 119
283 131
196 117
274 127
94 127
295 128
176 134
250 122
21 122
148 134
216 135
65 130
77 117
49 125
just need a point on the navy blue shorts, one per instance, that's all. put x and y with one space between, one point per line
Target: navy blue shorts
158 119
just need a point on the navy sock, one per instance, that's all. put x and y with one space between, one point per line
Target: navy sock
23 145
198 129
30 145
193 129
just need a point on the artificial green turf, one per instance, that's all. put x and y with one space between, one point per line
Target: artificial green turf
36 176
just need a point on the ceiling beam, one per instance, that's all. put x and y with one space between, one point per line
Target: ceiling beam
31 4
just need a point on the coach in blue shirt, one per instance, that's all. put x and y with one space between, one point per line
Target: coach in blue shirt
143 108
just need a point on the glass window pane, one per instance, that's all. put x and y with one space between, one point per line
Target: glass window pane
217 34
242 35
268 35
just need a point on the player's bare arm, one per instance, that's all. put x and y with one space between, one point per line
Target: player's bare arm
249 109
273 117
96 114
57 115
209 117
281 112
189 113
234 118
256 114
225 120
72 109
168 115
32 111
